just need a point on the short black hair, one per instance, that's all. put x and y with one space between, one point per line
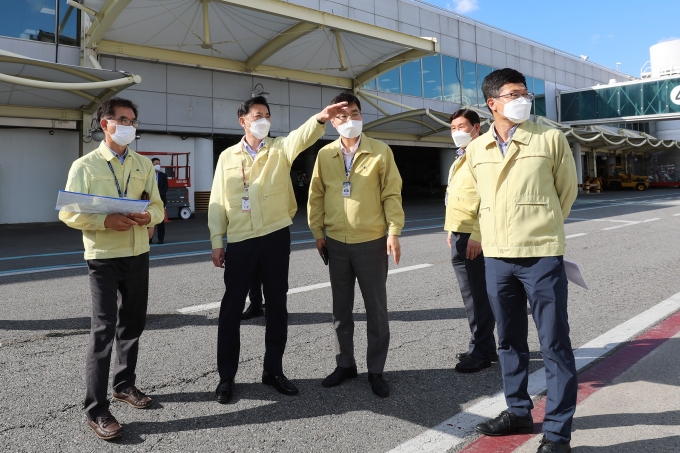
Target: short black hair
155 159
247 104
347 97
107 109
468 114
493 83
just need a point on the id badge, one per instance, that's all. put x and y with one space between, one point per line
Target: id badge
245 204
346 188
446 199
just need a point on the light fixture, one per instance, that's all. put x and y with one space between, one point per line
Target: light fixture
258 90
584 57
618 65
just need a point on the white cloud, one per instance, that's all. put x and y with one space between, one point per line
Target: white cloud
670 38
463 6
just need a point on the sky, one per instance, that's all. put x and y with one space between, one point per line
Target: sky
607 31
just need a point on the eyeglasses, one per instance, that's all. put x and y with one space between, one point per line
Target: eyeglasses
514 96
125 121
353 116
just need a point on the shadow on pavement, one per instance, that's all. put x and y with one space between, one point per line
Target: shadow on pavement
663 445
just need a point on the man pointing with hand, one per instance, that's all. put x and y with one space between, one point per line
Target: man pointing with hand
355 195
250 203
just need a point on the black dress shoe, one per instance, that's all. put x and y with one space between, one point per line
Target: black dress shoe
161 241
379 385
280 383
252 311
339 376
225 391
472 364
548 446
463 355
506 423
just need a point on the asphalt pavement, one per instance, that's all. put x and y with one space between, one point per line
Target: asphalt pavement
627 244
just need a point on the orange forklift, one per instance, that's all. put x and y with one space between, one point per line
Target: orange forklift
179 181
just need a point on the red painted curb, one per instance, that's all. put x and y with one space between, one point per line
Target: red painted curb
590 382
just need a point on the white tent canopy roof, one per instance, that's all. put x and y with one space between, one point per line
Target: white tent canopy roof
39 89
265 37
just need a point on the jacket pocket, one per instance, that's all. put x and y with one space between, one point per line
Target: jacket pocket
532 222
274 204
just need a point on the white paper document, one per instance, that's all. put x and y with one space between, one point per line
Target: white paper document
574 274
95 204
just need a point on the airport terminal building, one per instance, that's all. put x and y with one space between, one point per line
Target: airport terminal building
188 64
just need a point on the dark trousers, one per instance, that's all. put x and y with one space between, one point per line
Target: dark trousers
472 284
120 291
267 256
366 263
544 282
160 230
255 293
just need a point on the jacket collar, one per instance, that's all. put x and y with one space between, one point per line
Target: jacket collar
522 134
106 153
364 146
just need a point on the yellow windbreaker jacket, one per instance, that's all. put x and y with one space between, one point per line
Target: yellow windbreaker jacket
268 178
526 195
91 174
374 203
462 200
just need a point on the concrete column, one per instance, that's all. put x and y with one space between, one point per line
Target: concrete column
576 150
446 158
201 161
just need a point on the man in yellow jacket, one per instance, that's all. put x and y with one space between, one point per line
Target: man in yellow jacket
250 203
117 254
355 195
525 176
466 250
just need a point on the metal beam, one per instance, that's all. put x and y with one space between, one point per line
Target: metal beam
128 80
280 41
103 21
390 64
409 137
207 44
14 111
314 16
46 64
341 50
183 58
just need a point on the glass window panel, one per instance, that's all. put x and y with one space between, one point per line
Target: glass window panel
34 20
469 82
672 106
482 71
630 100
608 103
412 79
389 82
370 85
432 77
654 97
581 105
451 77
539 100
69 30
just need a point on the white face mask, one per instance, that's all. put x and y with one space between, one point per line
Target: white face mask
518 110
350 128
157 167
260 128
124 135
462 139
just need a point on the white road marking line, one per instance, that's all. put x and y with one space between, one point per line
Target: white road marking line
576 235
675 215
620 226
651 220
458 428
301 289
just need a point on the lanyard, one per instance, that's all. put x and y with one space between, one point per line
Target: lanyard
120 194
243 173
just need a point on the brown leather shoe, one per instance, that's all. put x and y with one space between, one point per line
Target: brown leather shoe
106 427
133 397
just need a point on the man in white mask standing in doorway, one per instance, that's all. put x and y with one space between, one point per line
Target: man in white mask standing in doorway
525 176
249 202
117 254
355 196
466 249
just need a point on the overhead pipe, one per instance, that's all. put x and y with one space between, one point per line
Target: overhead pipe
130 79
